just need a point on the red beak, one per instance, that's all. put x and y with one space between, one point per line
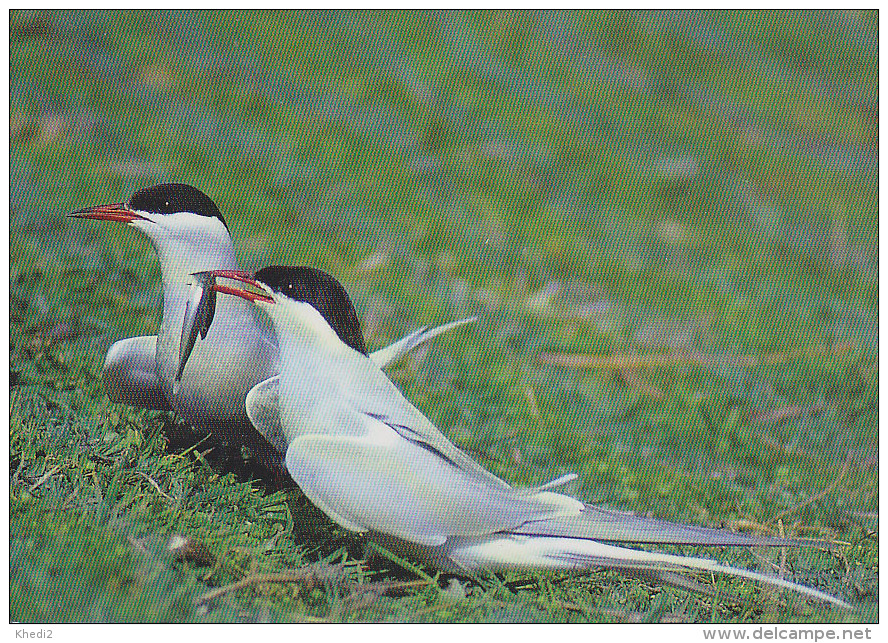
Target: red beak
243 277
110 212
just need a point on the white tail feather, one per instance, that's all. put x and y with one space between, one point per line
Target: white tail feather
552 484
396 351
520 553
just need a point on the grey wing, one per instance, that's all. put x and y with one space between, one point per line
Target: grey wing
615 526
264 412
374 394
368 477
130 373
385 356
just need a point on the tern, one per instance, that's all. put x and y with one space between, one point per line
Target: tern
208 390
374 464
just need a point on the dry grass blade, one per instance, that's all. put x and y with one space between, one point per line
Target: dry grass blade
363 595
307 574
782 413
816 497
628 361
46 476
155 485
386 587
247 581
311 575
633 379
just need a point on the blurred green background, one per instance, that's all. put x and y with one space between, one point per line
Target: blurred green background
684 202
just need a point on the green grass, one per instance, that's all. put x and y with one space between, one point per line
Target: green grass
693 184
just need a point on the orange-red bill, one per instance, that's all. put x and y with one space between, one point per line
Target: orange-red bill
245 294
110 212
237 275
243 277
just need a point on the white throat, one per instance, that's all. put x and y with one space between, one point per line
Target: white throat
300 328
187 243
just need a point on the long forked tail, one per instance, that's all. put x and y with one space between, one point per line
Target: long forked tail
396 351
597 523
514 552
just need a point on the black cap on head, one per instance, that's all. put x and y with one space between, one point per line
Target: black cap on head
169 198
324 293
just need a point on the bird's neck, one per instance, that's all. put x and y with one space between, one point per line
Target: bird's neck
303 330
177 265
315 365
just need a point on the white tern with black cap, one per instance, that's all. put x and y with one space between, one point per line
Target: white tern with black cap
375 464
207 388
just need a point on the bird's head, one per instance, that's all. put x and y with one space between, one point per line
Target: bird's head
283 292
183 223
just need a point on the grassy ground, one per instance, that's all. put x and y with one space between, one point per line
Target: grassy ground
683 204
